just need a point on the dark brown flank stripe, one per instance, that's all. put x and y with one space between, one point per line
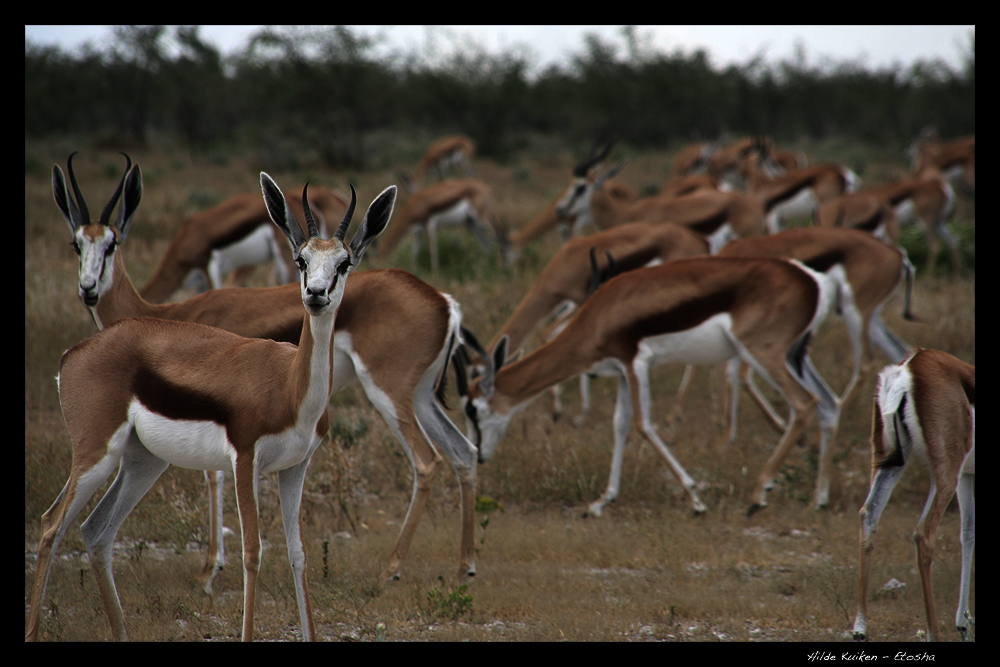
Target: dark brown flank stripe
174 402
788 193
681 317
823 261
709 225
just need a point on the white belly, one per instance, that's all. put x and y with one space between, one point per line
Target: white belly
906 212
256 248
455 215
800 206
200 445
704 344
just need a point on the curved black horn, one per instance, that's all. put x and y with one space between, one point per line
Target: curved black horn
106 213
310 220
342 230
81 204
597 153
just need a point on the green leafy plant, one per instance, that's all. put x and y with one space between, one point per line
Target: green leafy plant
449 604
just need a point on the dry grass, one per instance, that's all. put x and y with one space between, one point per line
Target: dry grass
646 571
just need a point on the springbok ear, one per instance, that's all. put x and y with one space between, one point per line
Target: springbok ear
374 223
461 373
281 214
468 338
63 200
131 196
611 173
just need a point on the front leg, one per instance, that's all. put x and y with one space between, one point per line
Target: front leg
290 483
215 557
622 419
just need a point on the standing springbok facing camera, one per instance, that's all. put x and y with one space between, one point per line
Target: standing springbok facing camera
701 310
146 393
400 386
925 407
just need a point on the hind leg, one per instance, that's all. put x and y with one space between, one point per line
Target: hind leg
80 487
139 470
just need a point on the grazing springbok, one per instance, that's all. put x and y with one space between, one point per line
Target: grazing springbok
146 393
511 244
713 213
926 198
925 408
467 202
568 280
400 386
794 194
700 310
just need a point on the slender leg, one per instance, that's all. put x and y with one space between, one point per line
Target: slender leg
290 483
924 537
462 455
884 482
425 462
82 484
139 470
245 474
967 505
215 557
678 407
640 380
79 488
828 411
622 420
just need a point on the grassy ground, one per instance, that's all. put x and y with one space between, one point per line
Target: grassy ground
646 571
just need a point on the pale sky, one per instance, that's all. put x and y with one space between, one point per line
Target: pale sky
871 46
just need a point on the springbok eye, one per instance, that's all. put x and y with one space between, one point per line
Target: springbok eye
301 263
344 267
76 246
111 249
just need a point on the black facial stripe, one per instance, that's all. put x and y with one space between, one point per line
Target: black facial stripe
473 415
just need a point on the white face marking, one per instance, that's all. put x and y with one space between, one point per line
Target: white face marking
96 246
491 428
323 266
576 201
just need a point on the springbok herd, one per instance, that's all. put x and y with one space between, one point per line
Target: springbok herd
706 271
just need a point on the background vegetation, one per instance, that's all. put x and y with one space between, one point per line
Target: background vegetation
327 90
646 571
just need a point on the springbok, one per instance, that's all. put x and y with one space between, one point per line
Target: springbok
924 408
146 393
713 213
701 310
400 386
466 202
926 198
794 194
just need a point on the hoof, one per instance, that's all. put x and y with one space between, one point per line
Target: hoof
860 637
756 507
